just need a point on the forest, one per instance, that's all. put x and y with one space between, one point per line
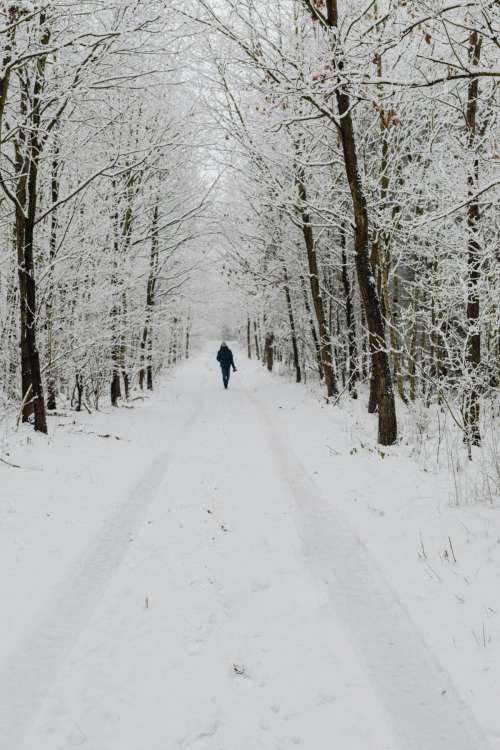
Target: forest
303 197
331 168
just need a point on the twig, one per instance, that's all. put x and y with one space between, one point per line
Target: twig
452 551
424 554
333 451
23 402
8 463
16 466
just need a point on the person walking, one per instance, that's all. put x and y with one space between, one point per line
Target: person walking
226 361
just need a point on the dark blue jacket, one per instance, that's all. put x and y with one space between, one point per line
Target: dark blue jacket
225 358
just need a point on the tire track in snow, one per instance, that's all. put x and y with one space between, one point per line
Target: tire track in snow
28 674
425 706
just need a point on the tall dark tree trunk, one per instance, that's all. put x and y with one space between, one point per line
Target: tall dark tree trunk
269 351
387 424
472 407
49 305
115 388
249 339
142 359
21 186
126 383
188 337
28 269
256 336
27 280
264 323
293 332
115 391
149 369
78 390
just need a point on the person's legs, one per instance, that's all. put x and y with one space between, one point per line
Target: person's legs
225 376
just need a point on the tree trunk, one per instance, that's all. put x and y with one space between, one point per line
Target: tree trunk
27 267
353 374
293 333
29 271
174 341
383 252
49 304
249 340
269 351
188 337
126 384
142 359
325 343
387 425
257 351
150 303
312 326
78 389
123 346
473 354
21 177
115 378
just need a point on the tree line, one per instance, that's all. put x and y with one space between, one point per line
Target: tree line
362 228
99 198
336 161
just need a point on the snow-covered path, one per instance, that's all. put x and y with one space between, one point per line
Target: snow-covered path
221 604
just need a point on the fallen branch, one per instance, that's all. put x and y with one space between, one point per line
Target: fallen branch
17 466
8 463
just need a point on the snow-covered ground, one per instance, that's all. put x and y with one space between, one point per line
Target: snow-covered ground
241 570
